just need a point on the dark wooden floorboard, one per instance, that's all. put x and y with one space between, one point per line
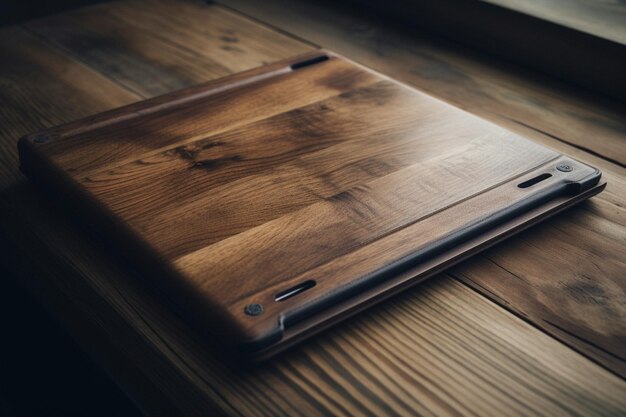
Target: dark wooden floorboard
153 47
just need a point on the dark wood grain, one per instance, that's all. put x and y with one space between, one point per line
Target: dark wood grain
586 126
220 163
442 349
117 143
193 43
487 87
583 307
404 357
220 257
576 57
34 81
24 57
355 217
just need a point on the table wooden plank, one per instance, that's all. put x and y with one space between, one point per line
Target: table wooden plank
441 349
152 47
584 303
580 303
34 78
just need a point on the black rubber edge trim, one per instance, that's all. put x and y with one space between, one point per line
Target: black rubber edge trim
312 61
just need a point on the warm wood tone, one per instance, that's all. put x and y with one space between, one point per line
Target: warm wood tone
192 44
584 306
554 115
84 91
359 160
439 349
493 90
570 55
123 138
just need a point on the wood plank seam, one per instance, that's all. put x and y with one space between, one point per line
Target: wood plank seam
77 59
493 297
569 143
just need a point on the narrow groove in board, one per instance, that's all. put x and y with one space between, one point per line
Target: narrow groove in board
268 25
570 143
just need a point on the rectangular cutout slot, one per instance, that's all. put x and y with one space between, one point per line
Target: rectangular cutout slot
534 181
290 292
308 62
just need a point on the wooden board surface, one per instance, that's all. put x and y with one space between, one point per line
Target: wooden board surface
441 349
263 188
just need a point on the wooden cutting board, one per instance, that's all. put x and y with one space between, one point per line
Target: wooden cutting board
270 204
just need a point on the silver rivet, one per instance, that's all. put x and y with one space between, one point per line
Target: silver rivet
253 309
564 168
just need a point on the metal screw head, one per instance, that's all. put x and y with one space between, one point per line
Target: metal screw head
40 139
565 168
254 309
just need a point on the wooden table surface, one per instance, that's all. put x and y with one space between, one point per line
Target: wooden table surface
534 326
